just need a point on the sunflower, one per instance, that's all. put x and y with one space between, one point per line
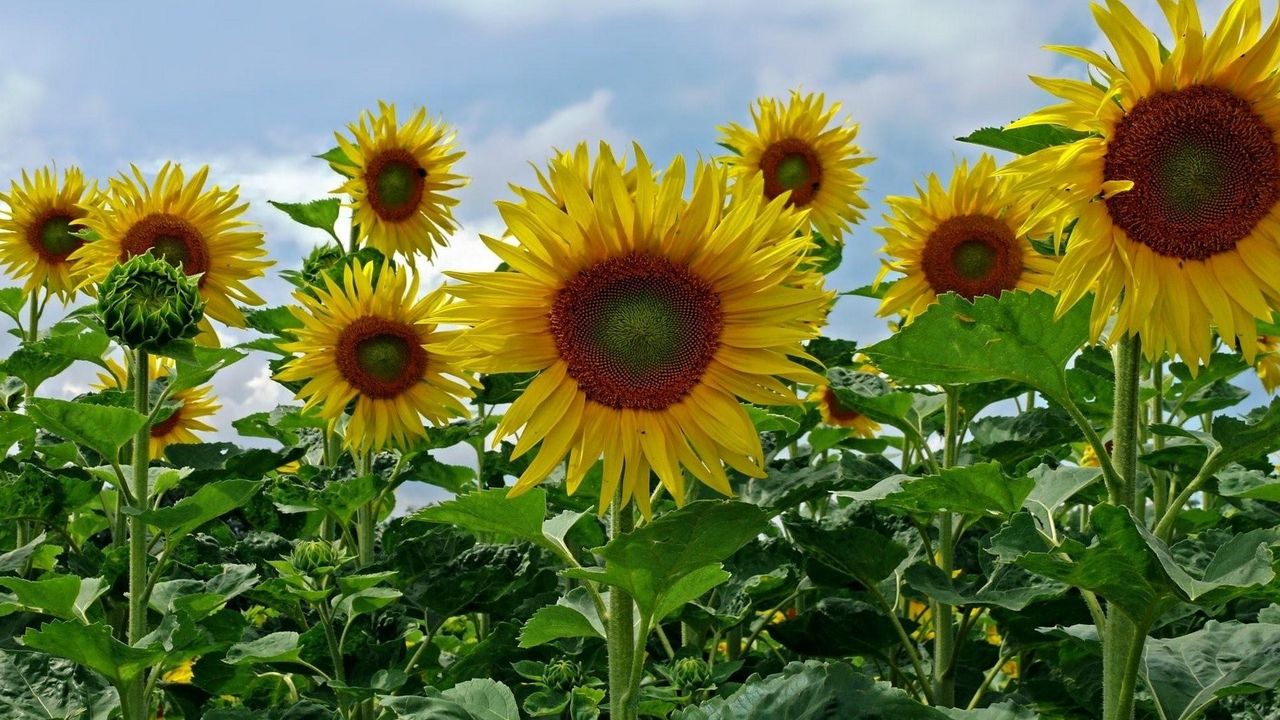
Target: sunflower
1177 185
837 415
971 239
37 235
191 405
646 317
397 179
375 343
797 148
179 220
1267 363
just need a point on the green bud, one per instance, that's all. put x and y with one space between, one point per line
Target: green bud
314 557
691 673
146 303
560 674
322 261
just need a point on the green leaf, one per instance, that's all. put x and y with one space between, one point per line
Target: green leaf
33 365
365 601
198 599
209 502
1055 486
976 490
13 302
813 690
573 615
1013 337
35 686
1023 140
94 647
207 362
103 429
876 558
650 562
422 467
321 214
872 396
1009 586
273 648
77 340
480 699
492 512
1187 674
66 597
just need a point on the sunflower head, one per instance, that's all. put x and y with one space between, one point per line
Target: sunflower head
399 176
39 232
146 303
837 414
971 238
799 150
184 224
1176 181
371 345
647 317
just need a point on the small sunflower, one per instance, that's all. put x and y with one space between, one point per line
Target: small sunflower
837 415
38 235
192 405
1177 185
398 177
971 238
1267 364
180 221
375 344
646 317
797 147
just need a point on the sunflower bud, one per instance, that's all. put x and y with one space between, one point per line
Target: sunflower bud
691 673
146 303
314 557
560 674
324 260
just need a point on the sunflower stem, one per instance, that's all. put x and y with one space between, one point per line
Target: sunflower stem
366 517
1122 639
621 628
137 527
944 646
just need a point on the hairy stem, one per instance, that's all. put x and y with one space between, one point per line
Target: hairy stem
137 527
621 627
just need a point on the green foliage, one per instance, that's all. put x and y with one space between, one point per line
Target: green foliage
1023 140
322 214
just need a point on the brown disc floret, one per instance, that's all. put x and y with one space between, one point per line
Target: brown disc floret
170 238
395 183
972 255
381 358
791 164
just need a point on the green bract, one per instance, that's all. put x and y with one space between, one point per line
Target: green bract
146 303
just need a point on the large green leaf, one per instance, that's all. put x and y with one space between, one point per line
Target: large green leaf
814 691
66 597
977 490
208 503
1189 673
1009 586
650 563
200 598
480 699
101 428
574 615
1013 337
1054 487
494 512
1023 140
35 686
846 553
94 647
273 648
872 396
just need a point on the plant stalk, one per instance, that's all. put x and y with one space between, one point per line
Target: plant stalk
621 627
944 639
140 704
1123 639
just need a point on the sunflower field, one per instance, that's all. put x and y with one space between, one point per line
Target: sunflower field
1042 496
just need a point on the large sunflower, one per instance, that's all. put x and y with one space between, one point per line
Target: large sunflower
797 148
37 235
971 238
1177 187
646 317
192 404
177 219
398 177
375 343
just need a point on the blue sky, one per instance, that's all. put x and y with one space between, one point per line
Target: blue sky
255 88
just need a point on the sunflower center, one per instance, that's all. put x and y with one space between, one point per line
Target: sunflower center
170 238
972 255
1205 171
53 237
396 182
838 412
636 331
381 358
791 164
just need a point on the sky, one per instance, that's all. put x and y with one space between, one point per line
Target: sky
254 89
